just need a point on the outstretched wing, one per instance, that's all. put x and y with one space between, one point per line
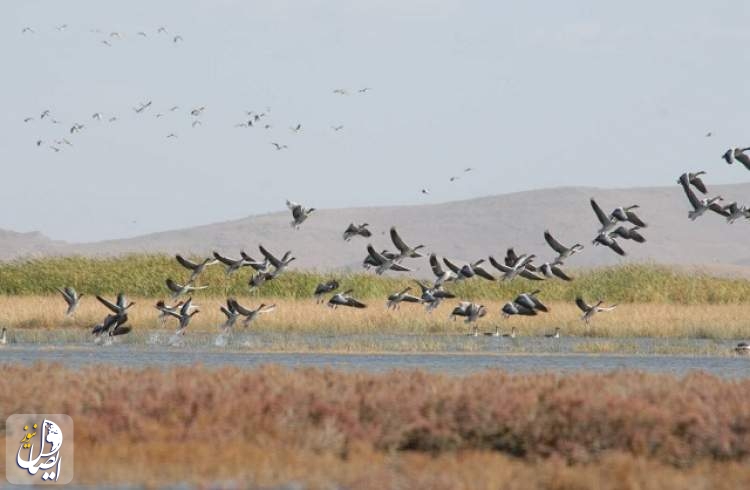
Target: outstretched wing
483 273
559 273
689 193
111 306
185 263
556 246
397 241
273 260
582 305
223 260
451 265
172 286
437 269
603 218
744 159
497 265
633 218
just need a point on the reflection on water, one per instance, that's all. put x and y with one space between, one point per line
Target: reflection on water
447 353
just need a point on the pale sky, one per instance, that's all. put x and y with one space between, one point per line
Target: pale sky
530 94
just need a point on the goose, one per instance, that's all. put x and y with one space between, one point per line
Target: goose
700 206
44 113
496 333
161 30
356 230
141 33
119 307
232 265
511 308
364 90
325 288
555 335
180 289
279 147
626 214
4 337
469 270
425 191
97 116
530 301
608 240
552 270
197 123
742 347
279 265
470 311
299 213
110 324
607 222
296 128
197 111
337 128
259 279
184 315
231 313
28 119
563 252
72 298
590 311
384 263
695 180
733 212
442 275
251 314
344 299
106 43
629 233
406 251
432 297
195 268
260 266
520 268
733 154
28 29
177 39
76 127
340 91
395 299
371 261
142 106
164 310
171 135
512 334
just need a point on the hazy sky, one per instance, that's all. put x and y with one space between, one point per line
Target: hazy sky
530 94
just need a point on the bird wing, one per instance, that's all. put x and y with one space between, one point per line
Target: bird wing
607 308
290 204
690 194
603 218
616 247
397 241
451 265
526 274
351 229
483 273
172 286
375 255
111 306
186 263
538 304
437 269
511 257
497 265
559 273
633 218
223 260
273 260
716 208
399 268
410 299
582 305
354 303
744 159
68 299
556 246
266 309
698 183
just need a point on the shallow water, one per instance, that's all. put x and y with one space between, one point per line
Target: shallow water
449 353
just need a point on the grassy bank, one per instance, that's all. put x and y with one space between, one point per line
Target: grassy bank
144 275
272 425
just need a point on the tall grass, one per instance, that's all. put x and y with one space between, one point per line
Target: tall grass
184 423
144 275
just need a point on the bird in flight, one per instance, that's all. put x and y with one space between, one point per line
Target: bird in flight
425 191
177 39
337 128
364 90
279 147
340 91
28 29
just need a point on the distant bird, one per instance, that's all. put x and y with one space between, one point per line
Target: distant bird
356 230
97 116
72 298
106 43
161 30
563 252
197 111
28 119
512 334
44 114
180 289
174 108
196 268
259 279
171 135
700 206
55 149
340 91
395 299
695 180
279 147
496 333
177 39
468 271
76 128
468 169
39 142
62 27
404 249
742 348
297 128
709 134
299 213
196 123
345 299
733 154
590 311
325 288
251 314
471 312
364 90
141 33
337 128
142 106
441 275
555 335
112 119
115 35
231 313
166 310
425 191
28 30
453 179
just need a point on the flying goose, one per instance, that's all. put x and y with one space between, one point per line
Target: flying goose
742 347
608 240
184 315
112 325
76 127
519 268
197 111
590 311
468 271
364 90
142 106
72 298
325 288
337 128
626 214
629 233
700 206
340 91
344 299
231 313
384 263
372 261
299 213
432 297
356 230
165 310
695 180
24 31
259 279
196 268
233 265
395 299
607 222
733 154
563 252
530 301
406 251
177 39
296 128
552 270
442 275
279 264
180 289
279 147
555 335
470 311
511 308
251 314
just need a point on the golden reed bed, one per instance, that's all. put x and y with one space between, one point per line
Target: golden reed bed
272 426
719 321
